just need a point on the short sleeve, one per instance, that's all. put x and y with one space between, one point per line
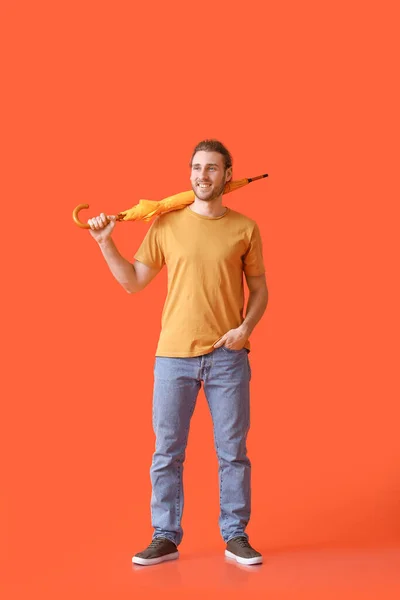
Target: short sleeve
150 251
253 263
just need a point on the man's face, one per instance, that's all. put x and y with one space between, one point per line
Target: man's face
208 176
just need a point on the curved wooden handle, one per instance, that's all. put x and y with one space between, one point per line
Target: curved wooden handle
119 216
76 218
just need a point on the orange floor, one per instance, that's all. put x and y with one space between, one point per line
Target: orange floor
106 571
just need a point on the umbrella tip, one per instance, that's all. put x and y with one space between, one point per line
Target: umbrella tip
250 179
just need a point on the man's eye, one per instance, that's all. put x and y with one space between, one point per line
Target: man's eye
212 168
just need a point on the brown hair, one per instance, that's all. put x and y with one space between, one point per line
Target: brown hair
213 146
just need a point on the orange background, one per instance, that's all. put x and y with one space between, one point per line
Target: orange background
103 103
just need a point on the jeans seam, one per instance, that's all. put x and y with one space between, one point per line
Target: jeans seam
179 469
220 468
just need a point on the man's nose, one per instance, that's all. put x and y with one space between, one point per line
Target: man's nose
203 172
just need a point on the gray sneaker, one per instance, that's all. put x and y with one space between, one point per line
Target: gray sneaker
160 550
240 549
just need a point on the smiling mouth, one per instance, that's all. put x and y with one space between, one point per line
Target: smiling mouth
204 186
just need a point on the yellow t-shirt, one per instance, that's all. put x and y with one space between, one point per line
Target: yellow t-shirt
206 258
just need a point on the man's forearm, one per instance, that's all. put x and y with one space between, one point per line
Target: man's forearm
256 306
121 268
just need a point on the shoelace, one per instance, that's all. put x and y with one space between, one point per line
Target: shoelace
156 542
243 542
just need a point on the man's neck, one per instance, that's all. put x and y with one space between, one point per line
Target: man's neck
208 209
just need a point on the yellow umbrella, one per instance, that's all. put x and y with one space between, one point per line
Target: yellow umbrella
147 209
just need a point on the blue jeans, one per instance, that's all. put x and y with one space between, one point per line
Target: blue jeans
226 375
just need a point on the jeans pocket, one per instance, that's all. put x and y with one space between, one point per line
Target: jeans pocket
232 351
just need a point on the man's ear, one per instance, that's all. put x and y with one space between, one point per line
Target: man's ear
228 175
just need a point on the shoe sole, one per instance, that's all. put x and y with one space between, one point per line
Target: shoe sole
154 561
244 561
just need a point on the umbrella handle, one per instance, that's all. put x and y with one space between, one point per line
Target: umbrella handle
86 225
76 218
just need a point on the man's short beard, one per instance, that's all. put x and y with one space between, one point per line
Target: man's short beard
215 195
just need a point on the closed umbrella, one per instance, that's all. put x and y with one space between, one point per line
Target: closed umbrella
146 210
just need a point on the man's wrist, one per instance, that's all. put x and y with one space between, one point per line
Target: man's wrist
107 243
245 329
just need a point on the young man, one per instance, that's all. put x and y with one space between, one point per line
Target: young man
204 339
